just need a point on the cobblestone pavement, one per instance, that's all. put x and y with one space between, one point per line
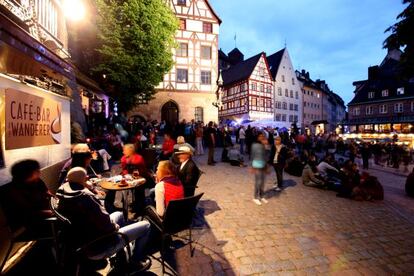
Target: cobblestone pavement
301 231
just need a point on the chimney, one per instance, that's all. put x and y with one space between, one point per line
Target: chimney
373 72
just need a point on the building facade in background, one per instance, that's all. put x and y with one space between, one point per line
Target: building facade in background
312 104
287 94
189 89
247 90
383 103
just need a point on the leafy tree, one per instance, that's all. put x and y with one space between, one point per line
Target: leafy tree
135 38
402 37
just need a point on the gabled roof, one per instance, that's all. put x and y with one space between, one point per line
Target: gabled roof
213 11
386 77
274 61
241 70
235 51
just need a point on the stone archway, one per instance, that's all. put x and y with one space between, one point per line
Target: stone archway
170 112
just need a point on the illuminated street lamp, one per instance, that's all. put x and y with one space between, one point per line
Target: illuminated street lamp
74 9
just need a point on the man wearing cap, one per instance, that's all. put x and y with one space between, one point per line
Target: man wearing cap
90 220
188 171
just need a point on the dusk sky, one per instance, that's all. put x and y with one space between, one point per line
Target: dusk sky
335 40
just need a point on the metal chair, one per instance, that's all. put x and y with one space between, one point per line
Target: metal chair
178 217
88 251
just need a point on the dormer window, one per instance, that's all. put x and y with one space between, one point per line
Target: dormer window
371 95
400 91
384 93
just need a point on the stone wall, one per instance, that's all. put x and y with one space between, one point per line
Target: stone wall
187 102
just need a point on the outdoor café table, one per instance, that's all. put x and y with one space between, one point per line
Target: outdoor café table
116 187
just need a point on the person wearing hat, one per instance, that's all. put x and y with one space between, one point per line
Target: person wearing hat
90 221
188 171
278 158
82 156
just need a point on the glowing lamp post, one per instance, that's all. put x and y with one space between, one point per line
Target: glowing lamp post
74 10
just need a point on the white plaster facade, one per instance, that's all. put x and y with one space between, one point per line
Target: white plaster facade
288 101
199 30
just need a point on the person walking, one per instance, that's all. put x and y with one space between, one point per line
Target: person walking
242 139
278 157
211 141
199 140
258 153
366 155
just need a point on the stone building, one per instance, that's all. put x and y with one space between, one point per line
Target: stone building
189 89
312 104
384 102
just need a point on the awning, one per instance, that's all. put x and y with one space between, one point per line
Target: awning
314 123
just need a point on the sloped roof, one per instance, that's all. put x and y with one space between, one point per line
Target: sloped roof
274 62
213 11
241 70
235 51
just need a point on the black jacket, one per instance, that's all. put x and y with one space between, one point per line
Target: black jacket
189 176
282 158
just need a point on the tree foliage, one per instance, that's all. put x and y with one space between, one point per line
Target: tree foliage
135 39
402 37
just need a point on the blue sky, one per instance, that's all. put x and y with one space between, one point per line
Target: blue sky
335 40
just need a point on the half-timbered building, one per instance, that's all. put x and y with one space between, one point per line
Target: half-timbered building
247 91
188 90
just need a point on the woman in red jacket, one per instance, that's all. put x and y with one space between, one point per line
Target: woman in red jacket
167 147
132 161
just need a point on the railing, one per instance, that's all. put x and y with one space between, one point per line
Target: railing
17 9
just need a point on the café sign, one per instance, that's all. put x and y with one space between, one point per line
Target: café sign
31 121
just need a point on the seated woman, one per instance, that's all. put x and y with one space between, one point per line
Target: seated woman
309 174
82 156
168 188
26 200
350 179
132 161
369 189
167 147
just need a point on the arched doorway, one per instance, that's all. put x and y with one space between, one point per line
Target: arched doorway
169 112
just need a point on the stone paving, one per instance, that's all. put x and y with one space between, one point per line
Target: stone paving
301 231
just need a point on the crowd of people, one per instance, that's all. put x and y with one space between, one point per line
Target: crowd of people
162 155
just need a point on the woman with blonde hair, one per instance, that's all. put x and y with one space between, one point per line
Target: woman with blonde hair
168 187
131 160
